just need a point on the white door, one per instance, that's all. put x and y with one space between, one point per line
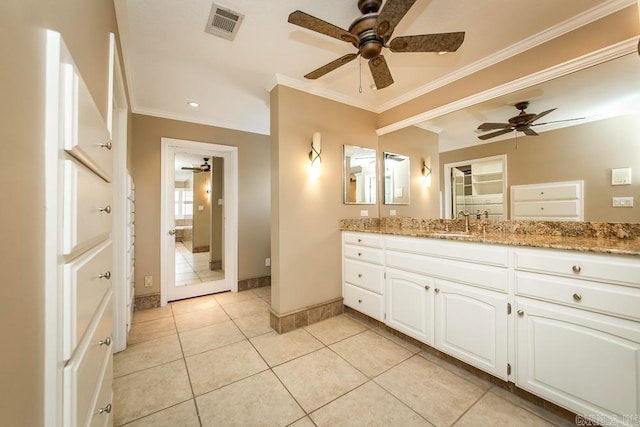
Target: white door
471 324
199 223
410 304
586 362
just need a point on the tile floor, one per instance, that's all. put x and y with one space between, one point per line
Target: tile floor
193 268
214 361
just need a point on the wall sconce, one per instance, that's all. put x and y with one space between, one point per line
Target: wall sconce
314 154
426 174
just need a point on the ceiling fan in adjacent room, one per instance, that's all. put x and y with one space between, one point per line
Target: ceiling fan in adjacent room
519 123
205 167
371 32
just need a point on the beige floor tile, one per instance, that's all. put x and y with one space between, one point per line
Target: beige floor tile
396 339
226 298
318 378
435 393
200 319
193 304
188 275
151 314
145 331
277 349
203 339
146 355
255 325
246 308
495 411
145 392
264 291
531 407
216 368
303 422
183 415
482 383
183 268
357 350
335 329
368 405
210 275
260 400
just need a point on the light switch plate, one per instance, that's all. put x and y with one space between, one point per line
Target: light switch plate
621 176
364 213
622 202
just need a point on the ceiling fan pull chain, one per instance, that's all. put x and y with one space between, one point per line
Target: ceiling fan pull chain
360 65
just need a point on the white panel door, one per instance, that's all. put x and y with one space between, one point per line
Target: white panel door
585 362
410 304
471 325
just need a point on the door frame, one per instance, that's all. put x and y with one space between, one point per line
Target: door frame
230 155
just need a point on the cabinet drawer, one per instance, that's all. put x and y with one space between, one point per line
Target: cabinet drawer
472 274
554 191
363 254
364 301
85 194
606 268
471 252
364 275
82 373
606 298
87 138
83 292
552 208
102 413
364 239
487 199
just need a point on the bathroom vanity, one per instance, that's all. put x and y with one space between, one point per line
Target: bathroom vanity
557 316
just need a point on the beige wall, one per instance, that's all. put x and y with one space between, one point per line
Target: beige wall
216 210
419 145
85 27
201 219
253 189
305 253
586 152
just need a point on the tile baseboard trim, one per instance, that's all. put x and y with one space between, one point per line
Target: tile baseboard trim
286 322
144 302
507 386
256 282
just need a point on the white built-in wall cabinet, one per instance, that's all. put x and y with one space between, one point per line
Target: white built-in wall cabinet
563 325
79 256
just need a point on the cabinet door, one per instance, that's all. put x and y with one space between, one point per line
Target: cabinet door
586 362
471 325
410 304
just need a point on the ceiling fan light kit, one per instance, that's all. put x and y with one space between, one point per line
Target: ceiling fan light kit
205 167
371 32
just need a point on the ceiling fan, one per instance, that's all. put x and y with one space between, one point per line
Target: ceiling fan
520 123
205 167
371 32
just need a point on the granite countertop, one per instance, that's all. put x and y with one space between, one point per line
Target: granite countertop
606 238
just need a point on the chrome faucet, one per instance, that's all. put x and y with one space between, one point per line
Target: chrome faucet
482 212
466 219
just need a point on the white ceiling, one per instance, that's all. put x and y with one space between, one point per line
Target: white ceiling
170 60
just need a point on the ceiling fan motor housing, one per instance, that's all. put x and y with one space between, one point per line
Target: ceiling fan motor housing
369 6
369 44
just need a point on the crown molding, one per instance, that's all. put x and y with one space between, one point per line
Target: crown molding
597 57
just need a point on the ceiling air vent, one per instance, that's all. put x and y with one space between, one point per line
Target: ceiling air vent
223 22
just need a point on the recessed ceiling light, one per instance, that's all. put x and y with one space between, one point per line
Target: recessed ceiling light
193 104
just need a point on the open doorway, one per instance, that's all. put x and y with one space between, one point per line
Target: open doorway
199 219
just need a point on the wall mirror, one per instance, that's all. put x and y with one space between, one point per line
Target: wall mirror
397 179
359 175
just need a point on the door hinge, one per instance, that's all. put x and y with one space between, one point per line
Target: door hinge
384 315
508 308
385 274
508 368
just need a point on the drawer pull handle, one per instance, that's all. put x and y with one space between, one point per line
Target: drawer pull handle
359 253
106 409
576 269
437 290
359 240
359 301
427 287
107 342
106 275
577 297
106 209
108 145
520 313
359 275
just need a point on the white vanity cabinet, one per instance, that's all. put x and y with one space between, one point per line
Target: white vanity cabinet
363 273
410 304
577 331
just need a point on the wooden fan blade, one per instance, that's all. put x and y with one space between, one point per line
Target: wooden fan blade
491 126
392 12
312 23
544 113
558 121
380 71
494 134
443 42
530 132
331 66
